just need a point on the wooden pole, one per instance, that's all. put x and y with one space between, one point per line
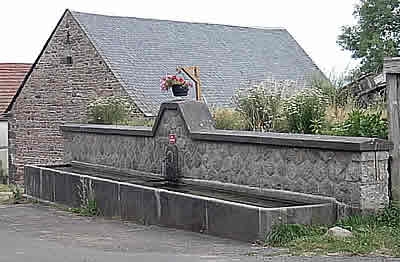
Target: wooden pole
392 72
194 73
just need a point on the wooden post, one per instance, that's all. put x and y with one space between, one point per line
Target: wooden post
392 71
194 73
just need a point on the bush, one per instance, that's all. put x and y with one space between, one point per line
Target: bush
362 122
260 107
110 110
305 111
228 119
149 122
332 89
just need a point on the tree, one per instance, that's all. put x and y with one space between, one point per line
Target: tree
376 34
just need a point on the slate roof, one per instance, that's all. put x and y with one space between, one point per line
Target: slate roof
140 51
11 76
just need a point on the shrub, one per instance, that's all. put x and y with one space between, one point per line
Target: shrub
228 119
260 107
149 122
332 89
110 110
362 122
305 111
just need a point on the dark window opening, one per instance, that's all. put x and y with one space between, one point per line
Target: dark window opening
69 60
68 38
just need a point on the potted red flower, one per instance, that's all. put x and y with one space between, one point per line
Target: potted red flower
179 85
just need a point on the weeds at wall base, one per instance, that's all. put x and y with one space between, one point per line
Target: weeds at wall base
89 210
372 235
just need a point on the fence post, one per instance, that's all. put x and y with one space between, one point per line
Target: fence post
391 69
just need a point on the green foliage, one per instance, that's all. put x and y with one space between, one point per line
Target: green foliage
323 109
140 122
228 119
89 209
372 234
110 110
365 123
388 217
283 234
377 241
376 34
305 111
331 89
17 193
260 107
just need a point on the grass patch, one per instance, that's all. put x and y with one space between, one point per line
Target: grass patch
283 234
372 235
88 210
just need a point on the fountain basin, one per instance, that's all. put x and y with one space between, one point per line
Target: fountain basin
225 210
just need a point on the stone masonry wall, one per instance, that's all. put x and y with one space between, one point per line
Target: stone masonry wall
56 92
359 179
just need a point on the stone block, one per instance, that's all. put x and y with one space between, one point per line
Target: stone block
232 221
374 156
32 181
369 172
183 212
323 214
138 204
106 195
374 196
299 215
354 172
47 185
68 189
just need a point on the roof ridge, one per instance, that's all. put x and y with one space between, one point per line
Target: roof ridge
262 28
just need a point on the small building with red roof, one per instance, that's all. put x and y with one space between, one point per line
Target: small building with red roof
11 77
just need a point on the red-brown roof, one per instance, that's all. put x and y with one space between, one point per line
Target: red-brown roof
11 76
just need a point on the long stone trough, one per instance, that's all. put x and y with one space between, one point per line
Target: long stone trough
165 205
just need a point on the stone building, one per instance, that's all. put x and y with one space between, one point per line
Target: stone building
11 76
89 56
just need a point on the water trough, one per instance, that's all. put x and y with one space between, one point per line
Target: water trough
226 210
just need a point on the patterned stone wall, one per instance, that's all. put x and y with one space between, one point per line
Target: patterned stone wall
357 178
56 92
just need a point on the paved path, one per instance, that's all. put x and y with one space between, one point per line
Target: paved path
38 233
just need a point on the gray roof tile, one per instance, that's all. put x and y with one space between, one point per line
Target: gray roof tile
140 51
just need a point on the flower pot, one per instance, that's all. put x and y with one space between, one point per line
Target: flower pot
179 90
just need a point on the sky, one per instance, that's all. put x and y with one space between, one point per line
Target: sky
25 25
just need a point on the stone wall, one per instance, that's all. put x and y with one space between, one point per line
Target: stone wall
56 91
353 170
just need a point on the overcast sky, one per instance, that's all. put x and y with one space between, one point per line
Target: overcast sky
25 25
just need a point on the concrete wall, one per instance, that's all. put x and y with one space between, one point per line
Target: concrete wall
3 150
57 92
353 170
